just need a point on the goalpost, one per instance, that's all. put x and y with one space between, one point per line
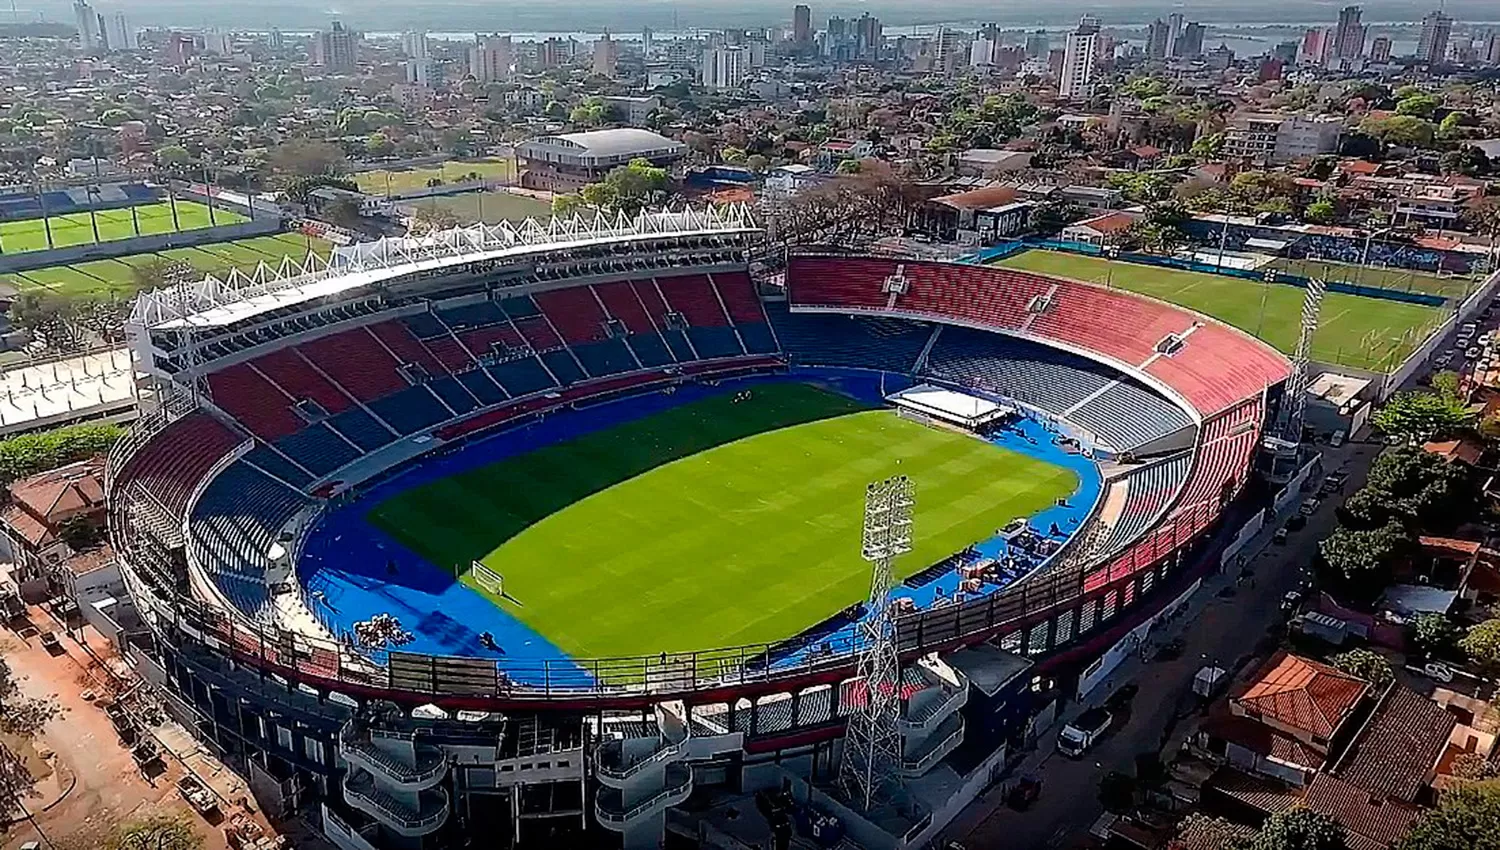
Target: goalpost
488 580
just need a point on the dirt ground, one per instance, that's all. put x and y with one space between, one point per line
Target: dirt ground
87 782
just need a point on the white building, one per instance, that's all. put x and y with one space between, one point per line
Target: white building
420 72
90 30
117 33
492 59
1281 138
606 55
1081 48
414 45
724 67
633 111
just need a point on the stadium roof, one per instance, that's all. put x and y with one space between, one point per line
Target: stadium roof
214 302
618 143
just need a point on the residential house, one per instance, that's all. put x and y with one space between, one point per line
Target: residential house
1105 230
43 509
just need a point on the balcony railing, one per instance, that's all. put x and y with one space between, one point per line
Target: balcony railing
430 813
610 764
935 712
611 811
924 763
429 768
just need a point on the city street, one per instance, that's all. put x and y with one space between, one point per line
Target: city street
1223 630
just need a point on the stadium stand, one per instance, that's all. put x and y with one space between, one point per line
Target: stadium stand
524 376
246 395
270 461
853 341
477 314
233 526
411 410
695 298
1214 353
1025 371
357 361
172 465
574 312
318 449
299 380
361 429
398 340
1148 491
1126 415
738 296
620 300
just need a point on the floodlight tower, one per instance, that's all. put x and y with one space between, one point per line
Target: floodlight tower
1294 400
872 742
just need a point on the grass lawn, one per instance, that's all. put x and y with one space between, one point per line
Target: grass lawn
712 524
77 229
382 181
1366 333
490 207
116 277
1405 280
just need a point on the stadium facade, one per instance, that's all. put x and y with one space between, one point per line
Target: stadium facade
272 396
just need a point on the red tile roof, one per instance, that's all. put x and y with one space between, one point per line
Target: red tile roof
1262 740
1265 795
1302 694
1108 223
1399 747
1369 823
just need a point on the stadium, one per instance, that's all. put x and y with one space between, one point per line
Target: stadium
552 533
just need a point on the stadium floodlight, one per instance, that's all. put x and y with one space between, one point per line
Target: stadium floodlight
871 763
1294 401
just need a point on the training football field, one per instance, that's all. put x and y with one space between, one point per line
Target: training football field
1367 333
78 228
716 523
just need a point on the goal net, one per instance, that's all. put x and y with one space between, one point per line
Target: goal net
487 579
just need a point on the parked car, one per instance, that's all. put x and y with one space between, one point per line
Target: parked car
1279 538
1296 522
1077 737
1438 671
1309 506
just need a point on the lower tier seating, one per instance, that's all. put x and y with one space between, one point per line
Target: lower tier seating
1127 415
824 339
233 527
1026 371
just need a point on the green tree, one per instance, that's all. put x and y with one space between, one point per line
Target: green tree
1482 644
1366 664
1433 633
173 156
1405 130
1421 106
732 155
566 205
1467 817
1208 146
1321 211
431 218
850 166
1299 829
1453 124
1413 486
600 196
635 185
379 145
306 158
1364 557
1416 417
157 832
757 163
1051 216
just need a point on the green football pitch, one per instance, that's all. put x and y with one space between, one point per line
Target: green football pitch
711 524
1365 333
78 229
382 181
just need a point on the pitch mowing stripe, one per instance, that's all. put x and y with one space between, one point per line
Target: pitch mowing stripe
713 523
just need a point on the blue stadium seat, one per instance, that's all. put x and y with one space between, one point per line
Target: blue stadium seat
410 410
649 349
758 338
715 342
267 459
605 358
523 376
818 339
562 364
424 325
476 315
1026 371
519 306
478 382
232 528
318 448
453 394
362 429
677 344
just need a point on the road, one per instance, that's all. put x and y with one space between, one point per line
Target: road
1224 630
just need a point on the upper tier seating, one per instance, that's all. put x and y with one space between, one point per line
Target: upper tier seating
357 361
861 342
361 429
407 348
622 303
695 298
318 449
299 380
175 460
610 357
477 314
1216 367
1148 490
246 395
575 312
1127 415
411 410
738 294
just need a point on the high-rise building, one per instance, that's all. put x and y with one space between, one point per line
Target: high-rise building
414 45
646 43
117 33
1286 51
1080 51
724 67
1175 23
492 59
949 50
90 30
1380 49
1190 41
179 49
555 52
1314 47
869 36
334 50
1432 45
801 24
1349 35
1157 39
277 40
1491 55
606 54
1037 44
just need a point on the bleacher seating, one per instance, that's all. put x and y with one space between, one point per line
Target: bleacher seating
480 340
562 365
173 463
649 349
738 294
539 333
425 325
650 298
695 298
1127 415
453 394
1148 491
610 357
824 339
411 410
519 306
758 338
254 401
407 348
357 361
1216 368
715 342
1025 371
450 352
839 281
523 377
622 303
361 429
574 312
677 343
484 388
299 380
233 526
269 460
318 449
474 315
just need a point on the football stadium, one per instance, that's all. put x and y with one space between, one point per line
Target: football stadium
559 533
